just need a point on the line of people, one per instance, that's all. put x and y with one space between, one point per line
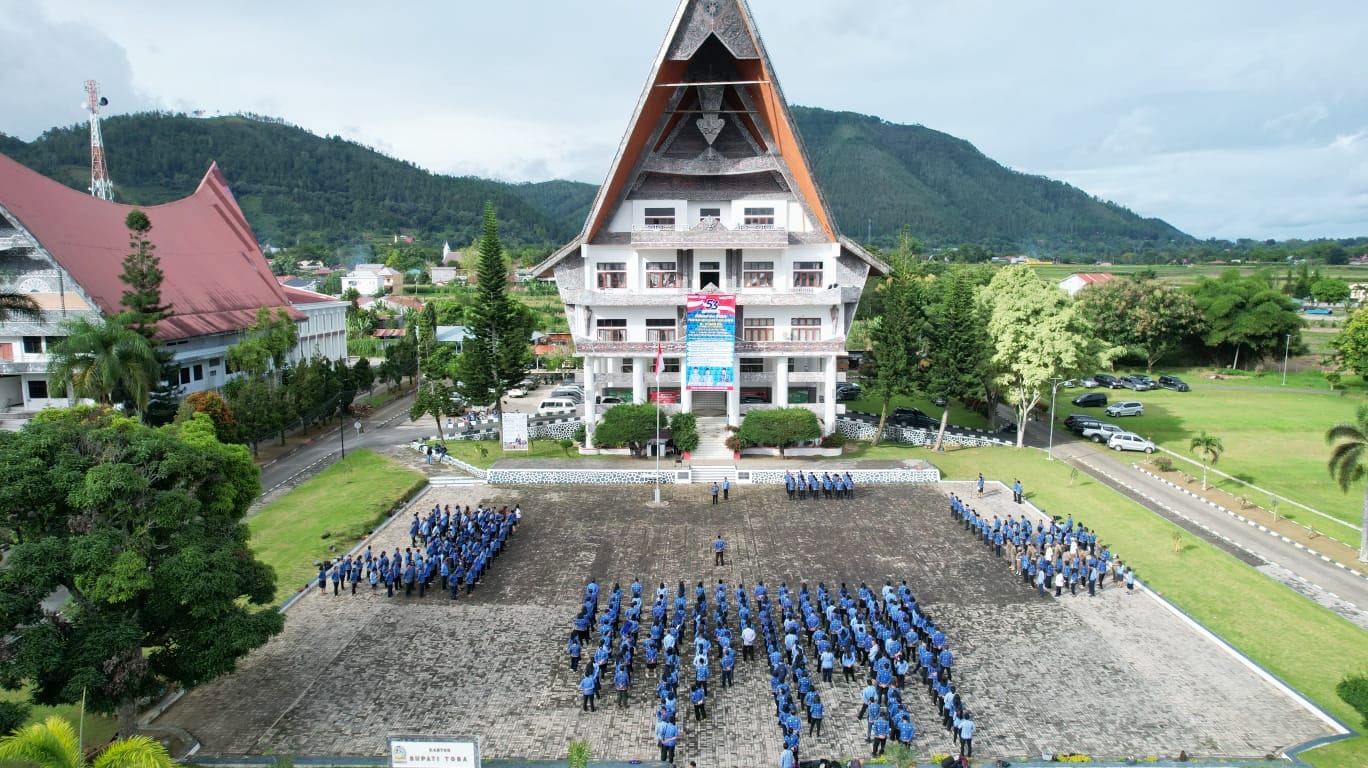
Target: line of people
456 545
831 485
1057 555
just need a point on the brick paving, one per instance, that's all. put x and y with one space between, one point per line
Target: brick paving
1109 676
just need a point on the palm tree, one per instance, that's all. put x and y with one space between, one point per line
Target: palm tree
1349 463
103 357
20 305
54 744
1209 447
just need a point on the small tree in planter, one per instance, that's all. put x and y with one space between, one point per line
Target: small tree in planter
578 754
780 428
684 431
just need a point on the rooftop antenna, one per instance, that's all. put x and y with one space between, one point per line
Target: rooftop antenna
100 185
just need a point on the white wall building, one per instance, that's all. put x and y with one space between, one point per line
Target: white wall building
368 279
712 193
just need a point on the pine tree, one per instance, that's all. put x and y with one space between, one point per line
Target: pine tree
496 355
143 275
957 345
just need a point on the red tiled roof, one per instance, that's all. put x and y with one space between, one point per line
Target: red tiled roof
388 333
1093 278
215 277
301 296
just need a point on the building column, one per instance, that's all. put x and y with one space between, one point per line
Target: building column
734 404
590 363
780 391
829 384
639 379
685 394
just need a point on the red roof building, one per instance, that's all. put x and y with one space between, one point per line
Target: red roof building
1080 280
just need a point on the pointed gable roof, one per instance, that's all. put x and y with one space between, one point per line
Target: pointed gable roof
748 94
214 275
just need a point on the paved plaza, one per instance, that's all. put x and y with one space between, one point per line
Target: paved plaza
1110 676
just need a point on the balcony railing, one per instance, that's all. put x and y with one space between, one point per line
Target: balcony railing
710 233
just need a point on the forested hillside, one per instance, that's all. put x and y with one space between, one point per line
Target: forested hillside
878 177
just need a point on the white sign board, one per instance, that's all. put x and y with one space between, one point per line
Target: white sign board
433 752
515 434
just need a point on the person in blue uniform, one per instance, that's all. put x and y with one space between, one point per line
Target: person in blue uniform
587 684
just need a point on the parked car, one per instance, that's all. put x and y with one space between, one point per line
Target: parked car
1089 382
912 417
1129 441
1126 408
1090 400
1102 432
1082 422
566 392
846 391
1107 380
1174 383
518 391
1138 382
610 400
555 406
762 400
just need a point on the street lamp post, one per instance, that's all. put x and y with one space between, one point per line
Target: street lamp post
1049 452
342 432
1286 346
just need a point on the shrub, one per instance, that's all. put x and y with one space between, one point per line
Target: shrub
1162 463
578 754
836 439
580 434
779 427
1354 690
684 431
13 715
566 444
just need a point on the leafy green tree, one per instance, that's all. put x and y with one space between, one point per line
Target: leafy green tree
1148 318
363 376
53 743
684 431
1037 334
266 345
99 358
434 398
896 342
628 425
144 528
286 263
956 343
1349 463
143 275
497 354
1209 448
332 284
259 408
18 305
402 355
1330 290
1350 345
780 428
212 404
1246 314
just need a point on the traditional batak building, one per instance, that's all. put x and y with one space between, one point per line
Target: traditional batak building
65 249
709 243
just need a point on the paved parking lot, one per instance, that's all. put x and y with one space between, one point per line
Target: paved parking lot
1114 675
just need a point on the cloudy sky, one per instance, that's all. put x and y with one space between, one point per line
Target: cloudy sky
1227 118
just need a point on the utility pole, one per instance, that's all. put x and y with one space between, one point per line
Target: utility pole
1286 346
1049 452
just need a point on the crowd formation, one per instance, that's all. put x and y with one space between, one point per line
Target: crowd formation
1057 555
806 636
456 545
830 485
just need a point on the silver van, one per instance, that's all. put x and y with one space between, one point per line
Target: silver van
556 406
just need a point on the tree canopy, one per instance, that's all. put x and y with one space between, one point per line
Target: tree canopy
629 425
780 428
1148 318
143 526
1246 314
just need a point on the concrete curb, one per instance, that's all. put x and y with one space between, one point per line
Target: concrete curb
1252 523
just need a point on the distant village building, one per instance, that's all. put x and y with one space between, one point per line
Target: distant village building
711 207
369 279
64 249
1080 280
444 275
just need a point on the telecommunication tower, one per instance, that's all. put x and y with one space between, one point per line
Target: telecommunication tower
100 185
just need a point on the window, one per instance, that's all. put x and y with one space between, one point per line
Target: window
669 365
612 330
807 274
660 329
197 370
184 376
628 364
806 329
759 217
757 329
662 274
752 365
612 274
660 217
757 274
33 345
709 213
37 389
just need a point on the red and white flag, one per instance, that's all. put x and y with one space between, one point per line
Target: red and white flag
659 359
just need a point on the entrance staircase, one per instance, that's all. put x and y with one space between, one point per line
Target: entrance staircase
712 462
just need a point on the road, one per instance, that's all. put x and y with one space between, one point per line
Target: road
1327 583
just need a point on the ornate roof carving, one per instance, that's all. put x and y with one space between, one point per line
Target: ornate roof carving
722 18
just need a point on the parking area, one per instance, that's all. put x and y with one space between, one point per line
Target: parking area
1110 676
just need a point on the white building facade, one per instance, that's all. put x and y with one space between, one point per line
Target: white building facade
711 193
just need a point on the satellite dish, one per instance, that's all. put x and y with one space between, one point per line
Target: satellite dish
104 102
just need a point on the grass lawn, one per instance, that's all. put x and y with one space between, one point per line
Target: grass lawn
98 728
469 451
1275 440
1201 580
959 415
345 500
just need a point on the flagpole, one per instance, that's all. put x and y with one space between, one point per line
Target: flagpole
658 446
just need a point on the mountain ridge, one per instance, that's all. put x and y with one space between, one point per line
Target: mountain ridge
878 177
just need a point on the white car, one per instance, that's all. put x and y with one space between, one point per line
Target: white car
1126 408
517 392
1129 441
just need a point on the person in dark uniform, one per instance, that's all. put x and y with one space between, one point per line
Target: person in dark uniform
714 493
